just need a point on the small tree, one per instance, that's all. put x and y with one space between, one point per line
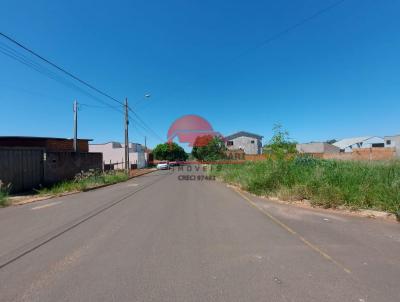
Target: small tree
169 151
280 144
209 148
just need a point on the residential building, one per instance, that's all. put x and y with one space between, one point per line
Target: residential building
114 154
28 163
250 143
317 148
348 144
48 144
393 141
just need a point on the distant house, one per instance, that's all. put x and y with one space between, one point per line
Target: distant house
393 141
250 143
348 144
114 154
317 148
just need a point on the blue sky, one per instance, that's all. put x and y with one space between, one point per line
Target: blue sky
336 76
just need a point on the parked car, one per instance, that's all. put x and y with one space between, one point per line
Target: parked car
163 165
173 163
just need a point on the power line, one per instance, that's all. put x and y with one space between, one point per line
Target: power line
290 28
12 53
59 68
39 68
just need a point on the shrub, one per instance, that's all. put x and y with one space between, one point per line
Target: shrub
4 191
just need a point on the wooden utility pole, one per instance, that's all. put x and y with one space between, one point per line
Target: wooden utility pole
75 126
127 168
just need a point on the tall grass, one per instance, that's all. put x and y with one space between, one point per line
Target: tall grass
3 199
4 190
85 181
368 185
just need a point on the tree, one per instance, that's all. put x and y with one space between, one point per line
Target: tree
280 143
169 151
209 148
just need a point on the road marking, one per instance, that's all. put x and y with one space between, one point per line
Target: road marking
46 205
291 231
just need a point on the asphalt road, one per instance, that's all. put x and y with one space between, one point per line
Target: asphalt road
159 238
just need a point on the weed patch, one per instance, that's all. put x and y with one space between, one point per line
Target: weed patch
326 183
84 181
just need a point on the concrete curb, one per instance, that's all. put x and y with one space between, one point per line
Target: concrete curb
362 213
35 199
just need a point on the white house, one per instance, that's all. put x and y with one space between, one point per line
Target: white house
348 144
114 154
250 143
393 141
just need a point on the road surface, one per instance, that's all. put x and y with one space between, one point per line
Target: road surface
161 238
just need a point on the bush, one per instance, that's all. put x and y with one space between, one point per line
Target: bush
4 191
370 185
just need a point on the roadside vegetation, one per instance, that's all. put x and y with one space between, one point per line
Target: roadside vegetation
169 151
4 190
327 183
209 148
3 199
84 181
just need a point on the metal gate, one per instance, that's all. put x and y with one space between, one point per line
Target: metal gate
23 168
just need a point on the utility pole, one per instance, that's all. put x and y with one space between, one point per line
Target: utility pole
75 126
145 151
127 168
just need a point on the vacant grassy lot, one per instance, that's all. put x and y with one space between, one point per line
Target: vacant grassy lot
367 185
85 181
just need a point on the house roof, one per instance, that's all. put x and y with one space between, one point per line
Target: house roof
39 138
346 142
243 133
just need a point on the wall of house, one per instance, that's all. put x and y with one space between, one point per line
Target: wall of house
317 147
21 168
114 154
29 168
67 145
49 144
60 166
394 143
245 144
362 154
365 144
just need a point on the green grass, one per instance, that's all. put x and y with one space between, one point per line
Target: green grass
3 199
84 182
4 190
366 185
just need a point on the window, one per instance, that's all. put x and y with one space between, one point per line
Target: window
388 142
230 143
252 141
378 145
